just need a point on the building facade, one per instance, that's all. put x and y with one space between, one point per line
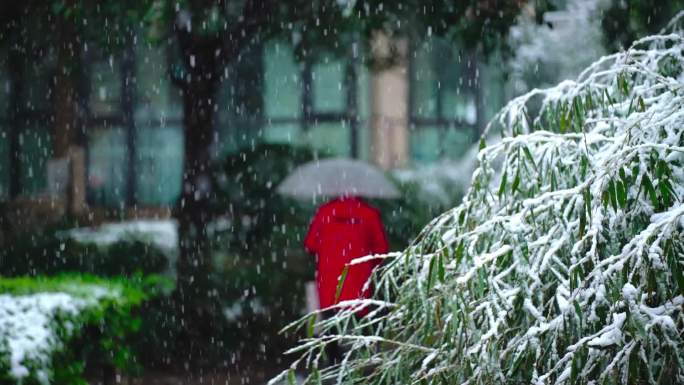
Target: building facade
430 104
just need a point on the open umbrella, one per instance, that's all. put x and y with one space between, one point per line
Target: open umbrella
334 177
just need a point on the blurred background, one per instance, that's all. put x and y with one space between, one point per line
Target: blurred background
141 143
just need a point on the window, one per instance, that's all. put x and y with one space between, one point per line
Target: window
240 100
107 160
107 151
135 138
289 101
444 93
158 129
26 100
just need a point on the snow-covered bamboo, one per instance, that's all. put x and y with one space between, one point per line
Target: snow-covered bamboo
563 264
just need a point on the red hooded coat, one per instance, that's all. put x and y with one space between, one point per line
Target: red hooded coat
342 230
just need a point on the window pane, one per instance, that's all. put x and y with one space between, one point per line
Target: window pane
107 159
159 165
329 138
492 86
156 98
425 83
363 81
286 133
105 85
35 148
4 164
240 104
457 141
458 105
282 82
38 80
425 144
232 135
329 92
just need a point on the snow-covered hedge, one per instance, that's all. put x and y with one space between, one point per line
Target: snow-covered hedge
39 317
563 265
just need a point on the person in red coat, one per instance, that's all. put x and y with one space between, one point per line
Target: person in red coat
342 230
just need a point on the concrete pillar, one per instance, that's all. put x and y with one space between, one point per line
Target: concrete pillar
390 102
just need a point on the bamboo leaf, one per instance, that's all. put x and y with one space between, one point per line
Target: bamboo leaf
440 268
528 154
340 283
431 273
311 327
582 221
648 187
502 185
621 194
516 182
458 254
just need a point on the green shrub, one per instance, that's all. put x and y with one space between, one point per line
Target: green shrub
81 316
259 257
47 253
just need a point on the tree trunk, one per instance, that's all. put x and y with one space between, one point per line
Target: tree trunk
205 57
66 108
192 210
197 309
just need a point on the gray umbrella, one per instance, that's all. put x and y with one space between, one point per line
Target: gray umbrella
334 177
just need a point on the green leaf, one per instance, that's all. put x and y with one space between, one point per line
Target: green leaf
578 309
673 260
311 326
665 193
611 195
516 182
482 143
528 154
623 175
563 122
633 366
621 194
587 201
291 378
440 268
582 221
340 283
623 85
458 254
648 187
431 273
502 185
584 165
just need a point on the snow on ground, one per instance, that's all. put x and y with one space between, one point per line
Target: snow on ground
161 233
28 326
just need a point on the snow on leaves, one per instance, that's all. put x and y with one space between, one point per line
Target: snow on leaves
563 264
34 326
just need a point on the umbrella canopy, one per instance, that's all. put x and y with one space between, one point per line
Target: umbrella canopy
334 177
